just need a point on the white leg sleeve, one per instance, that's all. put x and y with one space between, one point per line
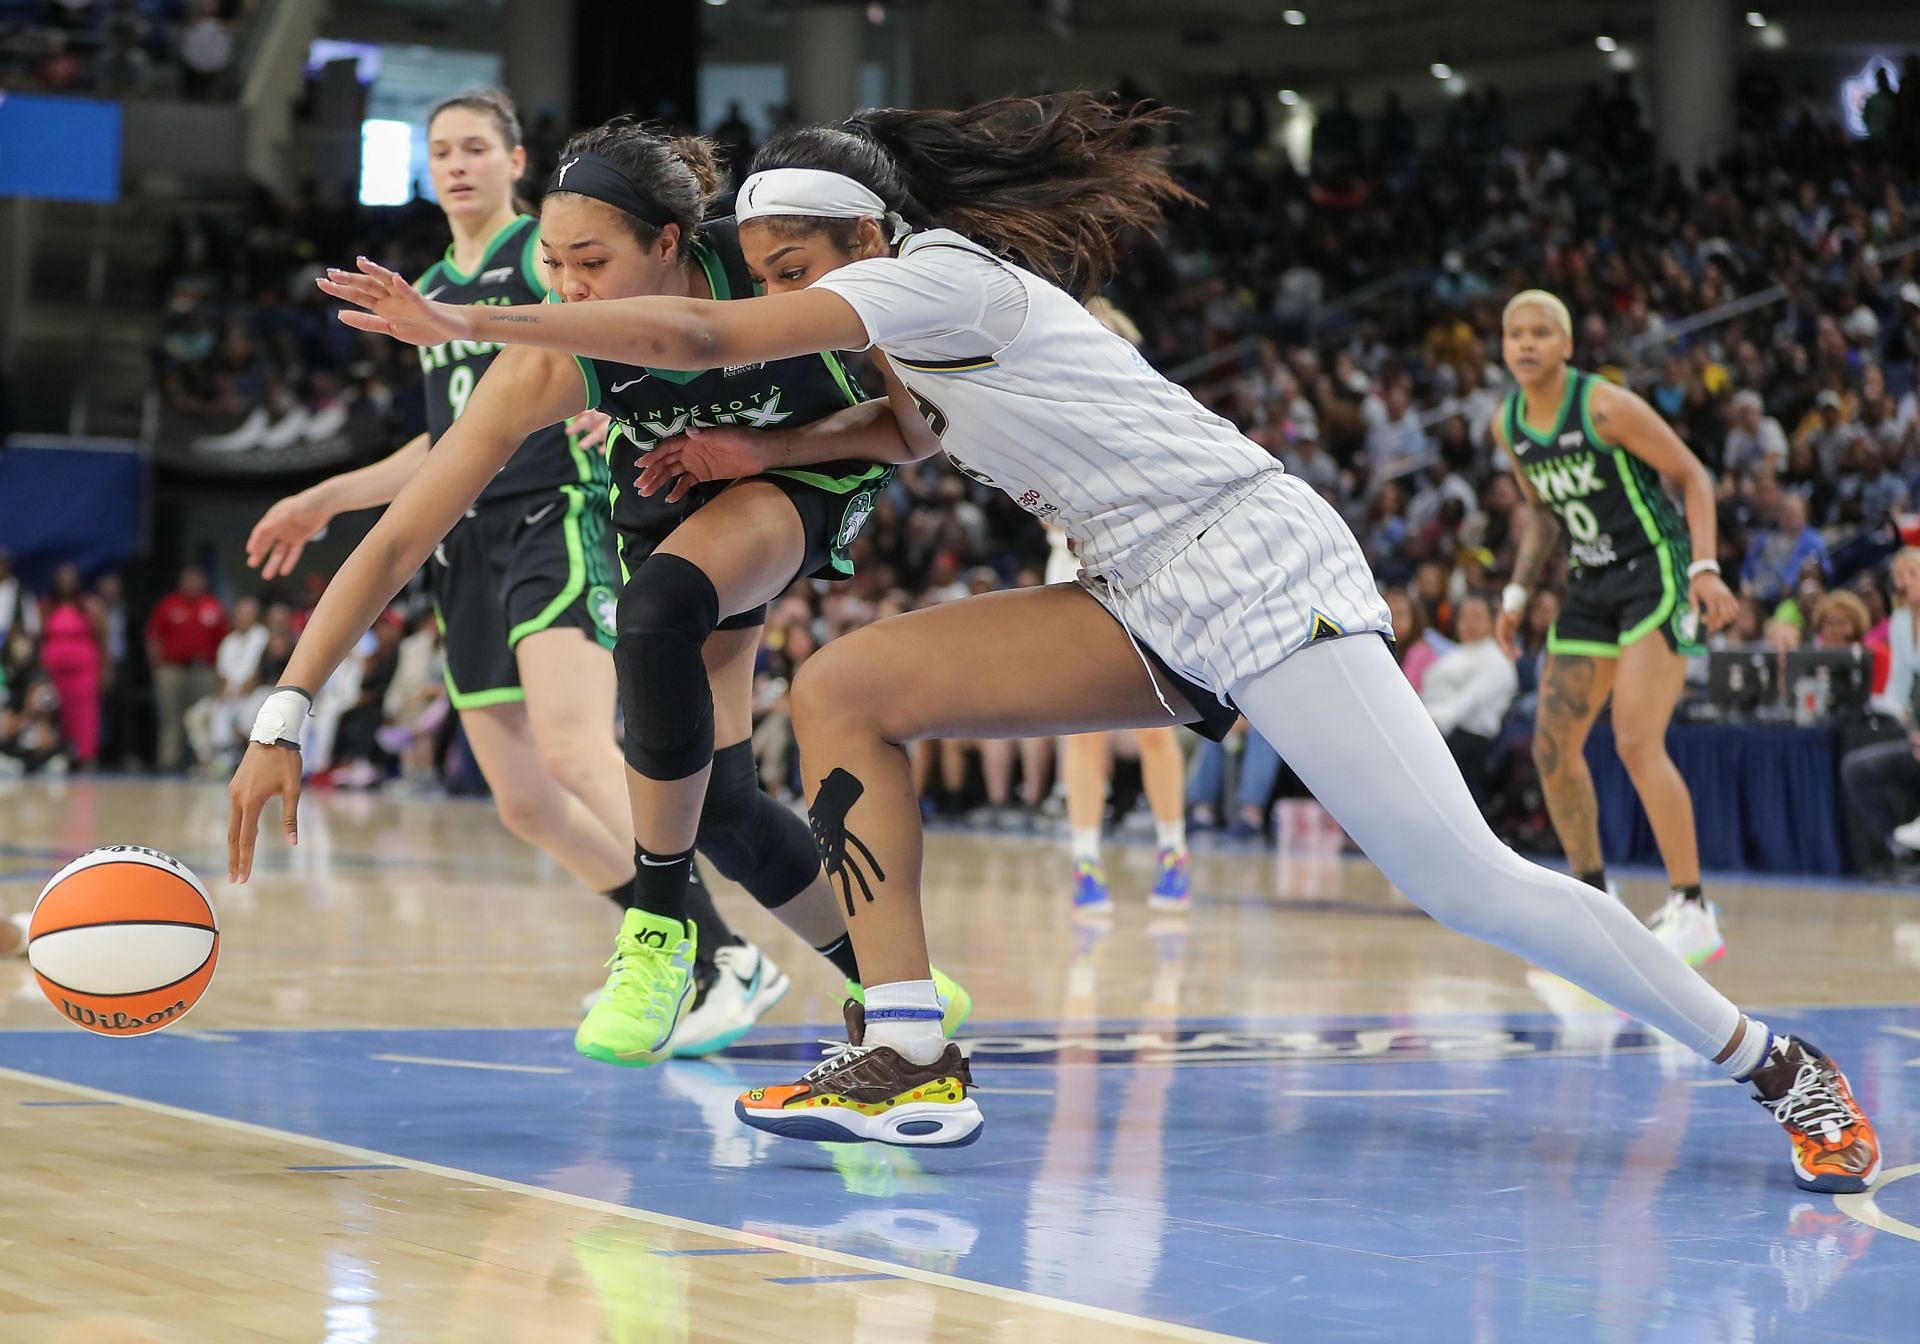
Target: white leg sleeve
1343 716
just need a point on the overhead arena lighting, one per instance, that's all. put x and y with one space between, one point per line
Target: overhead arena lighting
1606 44
1289 98
1294 16
1755 19
1441 70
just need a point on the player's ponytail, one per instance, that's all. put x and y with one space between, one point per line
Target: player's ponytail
680 175
1050 182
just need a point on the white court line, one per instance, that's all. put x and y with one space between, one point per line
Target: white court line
468 1064
1714 1082
1862 1208
1015 1296
1397 1092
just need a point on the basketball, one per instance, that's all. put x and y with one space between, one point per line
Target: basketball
123 940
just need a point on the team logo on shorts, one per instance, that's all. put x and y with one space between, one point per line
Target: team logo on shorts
1686 625
602 604
856 518
1324 627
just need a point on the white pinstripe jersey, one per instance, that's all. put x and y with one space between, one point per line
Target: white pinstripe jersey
1066 417
1069 420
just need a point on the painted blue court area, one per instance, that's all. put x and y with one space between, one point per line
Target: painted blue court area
1432 1179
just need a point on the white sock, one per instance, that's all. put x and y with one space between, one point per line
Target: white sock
905 1017
1086 845
1751 1052
1173 834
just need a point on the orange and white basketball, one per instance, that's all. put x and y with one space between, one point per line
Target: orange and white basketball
123 940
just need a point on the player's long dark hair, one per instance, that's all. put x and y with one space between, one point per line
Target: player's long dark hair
1049 182
680 173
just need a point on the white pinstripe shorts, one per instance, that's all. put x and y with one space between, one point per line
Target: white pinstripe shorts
1278 569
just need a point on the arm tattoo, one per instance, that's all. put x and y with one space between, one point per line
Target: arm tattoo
839 791
1536 545
514 317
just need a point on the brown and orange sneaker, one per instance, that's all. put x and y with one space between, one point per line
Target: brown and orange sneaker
1835 1150
870 1094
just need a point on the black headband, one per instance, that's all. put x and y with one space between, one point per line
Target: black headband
606 181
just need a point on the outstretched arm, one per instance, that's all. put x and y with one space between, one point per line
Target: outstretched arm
659 333
893 430
522 391
1623 418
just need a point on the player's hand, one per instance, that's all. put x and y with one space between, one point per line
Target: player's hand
393 307
1506 633
274 545
265 773
719 454
1713 600
589 429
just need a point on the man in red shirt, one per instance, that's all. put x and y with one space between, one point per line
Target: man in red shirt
183 636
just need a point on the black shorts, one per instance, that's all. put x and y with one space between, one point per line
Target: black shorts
1612 606
515 567
830 518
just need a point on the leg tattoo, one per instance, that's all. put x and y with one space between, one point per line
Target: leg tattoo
1567 706
839 791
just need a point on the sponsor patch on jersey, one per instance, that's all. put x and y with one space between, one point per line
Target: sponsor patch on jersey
734 370
499 275
602 605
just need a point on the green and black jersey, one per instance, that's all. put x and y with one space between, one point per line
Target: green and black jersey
1628 544
1611 502
650 406
508 273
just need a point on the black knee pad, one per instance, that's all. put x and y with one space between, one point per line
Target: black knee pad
751 839
667 610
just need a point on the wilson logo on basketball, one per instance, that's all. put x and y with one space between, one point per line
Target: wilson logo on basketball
87 1017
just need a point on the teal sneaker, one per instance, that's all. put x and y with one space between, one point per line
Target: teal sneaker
645 995
956 1005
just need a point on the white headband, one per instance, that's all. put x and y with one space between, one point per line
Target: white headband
813 192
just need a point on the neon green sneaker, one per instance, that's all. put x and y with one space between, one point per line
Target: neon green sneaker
645 996
956 1005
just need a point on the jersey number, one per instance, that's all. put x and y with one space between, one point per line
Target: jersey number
936 418
1580 520
459 388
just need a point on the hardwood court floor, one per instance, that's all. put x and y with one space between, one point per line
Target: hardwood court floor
1302 1112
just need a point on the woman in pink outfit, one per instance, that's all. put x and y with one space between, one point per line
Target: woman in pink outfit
70 652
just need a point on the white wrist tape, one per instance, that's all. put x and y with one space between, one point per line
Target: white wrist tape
279 720
1699 567
1513 599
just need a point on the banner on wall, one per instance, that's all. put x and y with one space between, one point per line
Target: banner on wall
70 499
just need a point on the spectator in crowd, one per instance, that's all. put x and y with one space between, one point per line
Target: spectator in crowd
17 607
183 639
206 52
1410 643
1755 439
1778 553
71 652
1259 772
217 725
415 705
110 607
1467 691
30 739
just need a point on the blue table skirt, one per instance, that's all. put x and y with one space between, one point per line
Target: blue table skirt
1766 798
